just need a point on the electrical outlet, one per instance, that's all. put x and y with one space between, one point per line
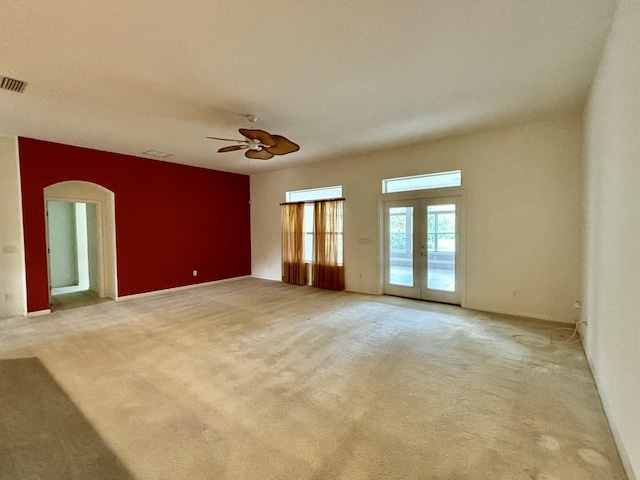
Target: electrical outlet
195 273
582 327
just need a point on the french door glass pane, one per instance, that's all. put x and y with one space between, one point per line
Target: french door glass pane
441 247
400 246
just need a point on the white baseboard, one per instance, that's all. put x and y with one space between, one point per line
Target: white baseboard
177 289
261 277
39 313
535 316
624 457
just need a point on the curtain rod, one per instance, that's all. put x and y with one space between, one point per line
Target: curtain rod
313 201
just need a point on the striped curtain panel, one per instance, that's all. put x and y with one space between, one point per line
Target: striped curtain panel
294 269
328 267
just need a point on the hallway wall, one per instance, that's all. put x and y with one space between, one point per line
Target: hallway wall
63 257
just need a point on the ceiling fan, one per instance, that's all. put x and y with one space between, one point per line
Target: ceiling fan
259 144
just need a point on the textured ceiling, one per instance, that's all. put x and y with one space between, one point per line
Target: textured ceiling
333 76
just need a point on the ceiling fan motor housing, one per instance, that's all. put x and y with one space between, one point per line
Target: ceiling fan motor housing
254 144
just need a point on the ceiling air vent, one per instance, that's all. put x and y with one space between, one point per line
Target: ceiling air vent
12 84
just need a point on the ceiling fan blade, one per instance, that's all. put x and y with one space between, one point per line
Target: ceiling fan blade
228 139
263 137
258 154
232 148
283 147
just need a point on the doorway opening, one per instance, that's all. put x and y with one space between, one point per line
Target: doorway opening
73 253
80 231
423 249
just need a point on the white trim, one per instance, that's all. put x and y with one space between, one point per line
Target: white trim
424 186
23 252
381 244
420 194
80 191
310 197
38 313
177 289
534 316
100 233
260 277
624 457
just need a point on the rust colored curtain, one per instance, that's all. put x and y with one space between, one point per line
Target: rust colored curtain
328 268
294 269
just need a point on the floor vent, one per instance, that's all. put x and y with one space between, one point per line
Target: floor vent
12 84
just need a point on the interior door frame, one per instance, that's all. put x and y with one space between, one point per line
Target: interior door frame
78 191
460 195
99 235
48 241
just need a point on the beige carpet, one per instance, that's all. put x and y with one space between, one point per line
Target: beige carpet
83 298
252 379
43 436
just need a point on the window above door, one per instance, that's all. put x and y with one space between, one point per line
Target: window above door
422 182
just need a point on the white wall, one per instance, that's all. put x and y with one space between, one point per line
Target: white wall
612 253
63 259
82 243
93 247
524 215
12 269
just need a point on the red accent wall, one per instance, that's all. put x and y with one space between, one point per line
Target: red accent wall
170 219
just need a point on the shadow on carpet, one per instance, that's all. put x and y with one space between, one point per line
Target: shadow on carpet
43 435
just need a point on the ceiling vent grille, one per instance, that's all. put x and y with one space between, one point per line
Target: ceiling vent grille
12 84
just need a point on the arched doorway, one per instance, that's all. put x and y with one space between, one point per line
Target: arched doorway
77 203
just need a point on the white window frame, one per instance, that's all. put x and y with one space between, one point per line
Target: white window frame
427 181
311 194
308 196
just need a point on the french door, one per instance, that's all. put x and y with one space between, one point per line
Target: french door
423 249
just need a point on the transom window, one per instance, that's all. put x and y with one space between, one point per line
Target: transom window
309 195
422 182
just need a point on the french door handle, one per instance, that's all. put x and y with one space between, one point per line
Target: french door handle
424 254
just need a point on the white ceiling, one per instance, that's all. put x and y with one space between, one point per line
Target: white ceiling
334 76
